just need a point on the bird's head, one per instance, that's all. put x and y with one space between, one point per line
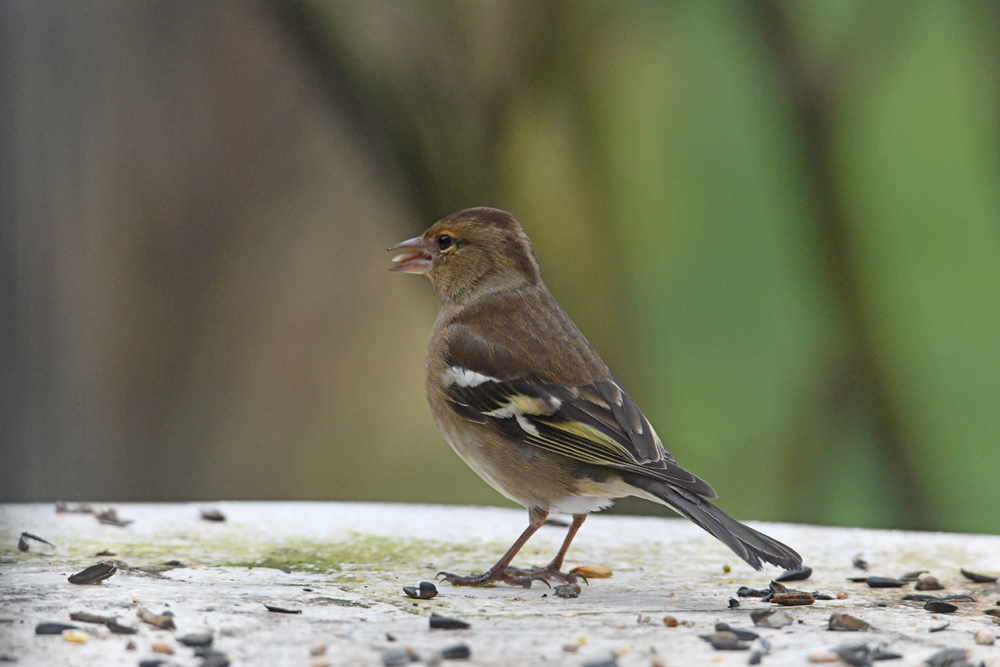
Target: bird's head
469 253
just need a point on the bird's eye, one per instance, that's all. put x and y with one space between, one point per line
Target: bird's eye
445 242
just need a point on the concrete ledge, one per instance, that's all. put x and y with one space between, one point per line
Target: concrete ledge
344 565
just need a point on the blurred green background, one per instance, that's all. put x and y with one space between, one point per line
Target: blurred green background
779 222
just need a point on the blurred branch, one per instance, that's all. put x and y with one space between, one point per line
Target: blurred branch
860 374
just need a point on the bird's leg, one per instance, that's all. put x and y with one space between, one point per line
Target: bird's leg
554 569
500 571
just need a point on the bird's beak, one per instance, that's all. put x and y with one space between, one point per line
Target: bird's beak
413 259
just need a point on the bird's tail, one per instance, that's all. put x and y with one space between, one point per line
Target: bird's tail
749 544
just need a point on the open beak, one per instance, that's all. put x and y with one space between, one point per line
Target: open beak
413 259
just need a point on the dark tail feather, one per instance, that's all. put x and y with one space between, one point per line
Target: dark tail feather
747 543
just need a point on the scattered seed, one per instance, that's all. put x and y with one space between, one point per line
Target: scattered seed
439 622
163 621
985 637
856 655
846 623
54 628
726 641
768 618
928 584
197 639
939 628
726 568
94 574
978 578
82 508
793 599
884 582
281 610
320 649
110 517
457 652
879 654
742 635
950 657
745 592
823 656
670 621
592 571
424 591
568 591
76 636
795 575
571 648
939 607
733 603
212 515
162 647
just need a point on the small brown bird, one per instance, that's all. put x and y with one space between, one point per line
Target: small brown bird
525 400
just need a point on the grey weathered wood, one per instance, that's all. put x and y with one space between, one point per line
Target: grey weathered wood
356 558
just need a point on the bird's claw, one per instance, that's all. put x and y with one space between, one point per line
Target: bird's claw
491 576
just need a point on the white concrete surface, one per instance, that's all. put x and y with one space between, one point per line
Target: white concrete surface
354 560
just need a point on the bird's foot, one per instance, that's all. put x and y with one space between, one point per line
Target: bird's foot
548 572
493 575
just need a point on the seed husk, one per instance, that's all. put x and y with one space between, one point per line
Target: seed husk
109 622
950 657
856 655
920 597
742 635
913 576
939 628
22 542
110 517
745 592
439 622
939 607
281 610
995 612
54 628
726 641
793 599
846 623
197 639
885 582
94 574
879 654
976 577
733 603
859 562
457 652
162 621
212 515
424 591
795 575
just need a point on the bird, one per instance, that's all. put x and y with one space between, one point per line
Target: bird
525 400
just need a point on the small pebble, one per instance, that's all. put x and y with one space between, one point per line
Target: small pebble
823 656
842 595
755 657
928 583
846 623
670 621
726 641
950 657
457 652
743 635
320 649
568 591
985 637
571 648
162 647
54 628
733 603
884 582
656 660
767 618
395 657
130 646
